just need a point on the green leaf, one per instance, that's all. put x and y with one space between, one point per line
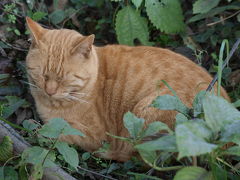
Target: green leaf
180 118
8 173
22 172
70 155
149 156
57 16
219 112
168 102
130 26
86 156
49 162
213 12
203 6
133 124
29 124
37 16
193 173
191 137
166 15
34 155
156 127
165 143
9 110
231 133
17 32
235 150
197 103
137 3
57 126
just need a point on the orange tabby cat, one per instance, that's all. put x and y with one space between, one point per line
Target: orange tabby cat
92 87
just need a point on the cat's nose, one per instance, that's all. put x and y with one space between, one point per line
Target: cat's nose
51 87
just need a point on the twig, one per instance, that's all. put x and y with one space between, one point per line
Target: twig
194 160
234 48
214 23
14 47
98 174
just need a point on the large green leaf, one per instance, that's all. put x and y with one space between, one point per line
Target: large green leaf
203 6
156 127
57 126
191 137
166 15
130 26
219 112
70 155
165 143
193 173
168 102
133 124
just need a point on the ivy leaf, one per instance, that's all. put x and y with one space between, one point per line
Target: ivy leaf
165 143
155 127
137 3
168 102
130 26
191 137
203 6
69 154
166 15
133 124
193 173
219 112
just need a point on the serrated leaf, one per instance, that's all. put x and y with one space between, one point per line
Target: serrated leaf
137 3
193 173
133 124
57 126
219 112
57 16
191 137
165 143
203 6
168 102
34 155
70 155
166 15
155 127
130 26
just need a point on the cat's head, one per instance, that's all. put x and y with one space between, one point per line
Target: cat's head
62 64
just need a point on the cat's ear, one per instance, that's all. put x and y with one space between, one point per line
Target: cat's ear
83 45
36 30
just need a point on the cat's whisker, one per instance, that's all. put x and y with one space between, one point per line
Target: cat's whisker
76 98
85 94
30 84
